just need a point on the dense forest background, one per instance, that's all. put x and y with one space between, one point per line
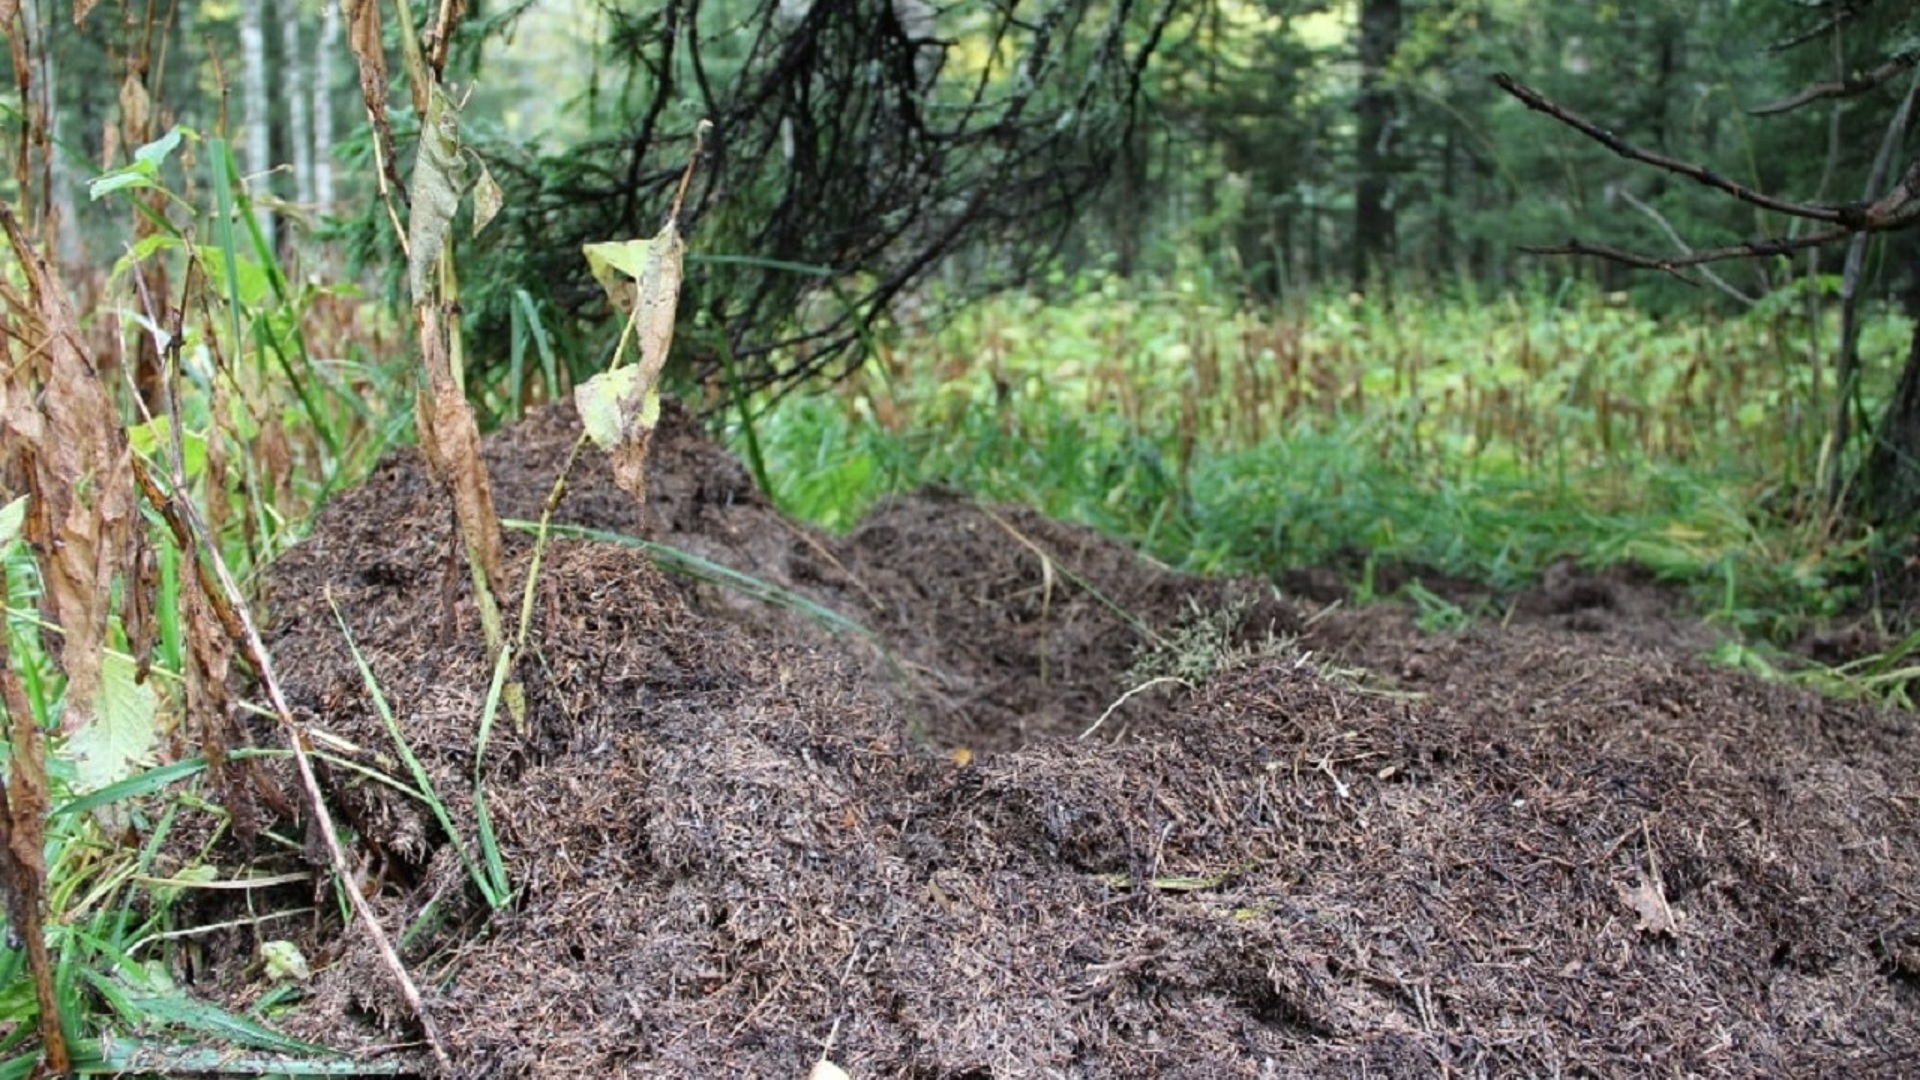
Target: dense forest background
876 164
1284 146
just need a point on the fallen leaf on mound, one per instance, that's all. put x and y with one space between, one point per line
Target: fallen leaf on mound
1645 900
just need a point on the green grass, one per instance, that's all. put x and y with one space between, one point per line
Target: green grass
1480 439
275 406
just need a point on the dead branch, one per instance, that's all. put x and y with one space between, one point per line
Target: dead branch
1751 249
1850 86
1839 14
217 583
1848 217
1673 234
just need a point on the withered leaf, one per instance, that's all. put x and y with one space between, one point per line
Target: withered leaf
1650 905
633 398
82 511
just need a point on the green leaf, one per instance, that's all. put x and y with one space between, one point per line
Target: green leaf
13 518
146 1057
606 400
609 259
119 180
120 737
145 783
177 1010
153 440
155 153
284 961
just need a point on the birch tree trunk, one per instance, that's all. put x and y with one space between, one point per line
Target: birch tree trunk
323 104
41 22
299 134
258 120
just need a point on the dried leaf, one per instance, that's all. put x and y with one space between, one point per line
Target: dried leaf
369 51
82 9
136 107
1647 902
439 174
80 478
487 199
827 1070
653 301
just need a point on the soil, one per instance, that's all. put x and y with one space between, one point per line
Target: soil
1053 810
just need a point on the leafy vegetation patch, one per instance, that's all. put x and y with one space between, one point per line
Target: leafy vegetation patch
1479 438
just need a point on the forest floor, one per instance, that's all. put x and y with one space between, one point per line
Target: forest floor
1325 842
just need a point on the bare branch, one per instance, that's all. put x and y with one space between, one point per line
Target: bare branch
1673 234
1899 208
1847 87
1839 14
1848 217
1751 249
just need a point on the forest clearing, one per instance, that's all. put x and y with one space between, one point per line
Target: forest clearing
888 539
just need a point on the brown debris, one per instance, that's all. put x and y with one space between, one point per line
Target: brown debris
1541 849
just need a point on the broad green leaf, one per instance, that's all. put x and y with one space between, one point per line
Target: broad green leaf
141 171
606 400
630 403
119 180
153 441
156 152
611 259
120 737
142 249
249 277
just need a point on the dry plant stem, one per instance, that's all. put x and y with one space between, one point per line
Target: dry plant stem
23 813
221 590
450 13
1160 680
1046 586
547 510
451 442
58 425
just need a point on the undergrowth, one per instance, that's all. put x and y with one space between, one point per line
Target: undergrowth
1480 439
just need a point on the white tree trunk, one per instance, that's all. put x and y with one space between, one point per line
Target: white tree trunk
40 24
259 111
323 104
294 69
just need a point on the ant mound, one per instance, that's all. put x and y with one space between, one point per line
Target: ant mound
736 838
